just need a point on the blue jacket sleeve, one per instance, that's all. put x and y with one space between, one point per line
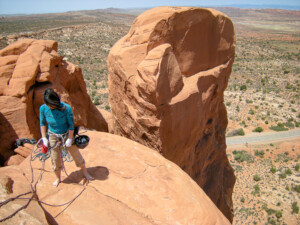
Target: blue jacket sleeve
70 117
42 116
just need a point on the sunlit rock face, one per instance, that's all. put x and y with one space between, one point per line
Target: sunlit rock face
166 82
133 185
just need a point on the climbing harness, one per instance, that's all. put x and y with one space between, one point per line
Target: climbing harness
65 155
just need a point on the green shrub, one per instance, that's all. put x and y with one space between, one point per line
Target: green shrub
278 214
238 132
289 125
288 172
297 188
297 167
256 189
282 158
269 211
241 156
271 221
278 128
282 175
251 112
295 208
256 177
258 129
273 169
96 100
260 153
242 199
243 88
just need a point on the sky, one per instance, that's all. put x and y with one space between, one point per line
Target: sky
51 6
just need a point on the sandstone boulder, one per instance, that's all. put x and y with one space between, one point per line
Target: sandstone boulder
166 82
133 185
27 68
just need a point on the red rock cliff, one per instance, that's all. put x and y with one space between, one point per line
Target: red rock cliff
27 68
166 82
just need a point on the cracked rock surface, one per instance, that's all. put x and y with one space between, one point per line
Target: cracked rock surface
133 185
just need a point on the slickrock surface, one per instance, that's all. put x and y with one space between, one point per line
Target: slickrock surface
166 82
133 185
27 68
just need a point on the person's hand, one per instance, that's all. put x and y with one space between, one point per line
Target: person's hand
45 141
68 142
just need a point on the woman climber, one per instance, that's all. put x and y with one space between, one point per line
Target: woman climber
60 120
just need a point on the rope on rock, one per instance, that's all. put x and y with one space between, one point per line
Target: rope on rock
33 191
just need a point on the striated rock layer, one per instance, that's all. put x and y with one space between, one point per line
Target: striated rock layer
133 185
166 82
27 68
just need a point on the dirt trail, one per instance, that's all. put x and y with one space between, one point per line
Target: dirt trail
265 137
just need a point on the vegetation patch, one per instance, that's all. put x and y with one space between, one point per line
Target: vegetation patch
243 156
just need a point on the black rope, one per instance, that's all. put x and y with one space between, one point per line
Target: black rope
60 205
18 210
12 199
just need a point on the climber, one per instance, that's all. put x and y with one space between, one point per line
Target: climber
60 120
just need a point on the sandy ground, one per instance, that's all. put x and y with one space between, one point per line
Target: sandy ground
275 194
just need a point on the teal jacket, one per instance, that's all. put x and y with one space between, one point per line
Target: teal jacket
59 120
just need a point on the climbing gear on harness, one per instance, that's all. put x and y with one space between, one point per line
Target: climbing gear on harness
40 153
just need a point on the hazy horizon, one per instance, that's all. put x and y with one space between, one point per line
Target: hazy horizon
14 7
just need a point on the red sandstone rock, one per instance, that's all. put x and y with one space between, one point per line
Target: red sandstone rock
12 183
24 150
14 160
166 82
27 68
133 185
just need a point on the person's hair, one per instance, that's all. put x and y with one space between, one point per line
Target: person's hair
51 98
